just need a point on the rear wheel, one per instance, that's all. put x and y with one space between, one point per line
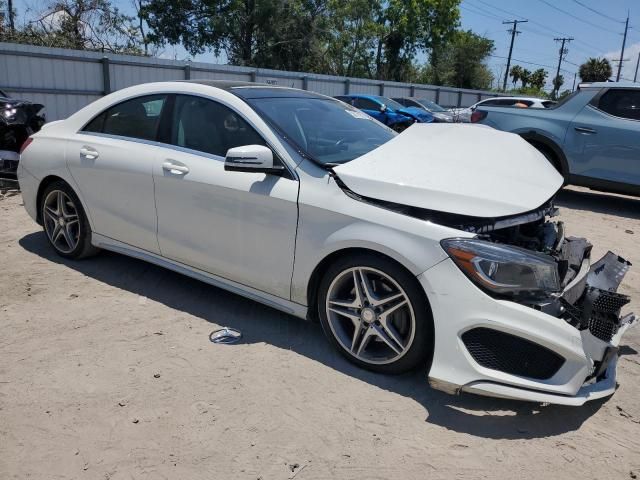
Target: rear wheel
65 222
375 313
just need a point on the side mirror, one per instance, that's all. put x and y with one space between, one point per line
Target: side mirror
251 158
383 108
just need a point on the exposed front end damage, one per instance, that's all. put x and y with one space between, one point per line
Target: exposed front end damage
558 346
588 301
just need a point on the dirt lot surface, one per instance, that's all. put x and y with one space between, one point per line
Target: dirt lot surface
107 372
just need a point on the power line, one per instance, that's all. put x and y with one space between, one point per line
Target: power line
539 24
597 12
530 63
577 18
486 15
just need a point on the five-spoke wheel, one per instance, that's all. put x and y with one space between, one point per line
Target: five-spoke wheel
375 313
65 222
61 222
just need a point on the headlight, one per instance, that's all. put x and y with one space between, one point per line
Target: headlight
503 269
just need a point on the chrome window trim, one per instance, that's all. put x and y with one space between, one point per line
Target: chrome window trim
178 148
281 152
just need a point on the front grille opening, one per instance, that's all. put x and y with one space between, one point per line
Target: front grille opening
511 354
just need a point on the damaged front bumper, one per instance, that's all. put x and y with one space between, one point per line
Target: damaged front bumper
562 351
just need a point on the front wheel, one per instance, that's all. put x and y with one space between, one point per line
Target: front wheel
376 314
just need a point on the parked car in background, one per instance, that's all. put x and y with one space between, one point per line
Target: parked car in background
18 120
592 137
388 111
464 114
440 114
434 248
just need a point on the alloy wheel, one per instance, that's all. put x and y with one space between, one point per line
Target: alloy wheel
370 315
61 221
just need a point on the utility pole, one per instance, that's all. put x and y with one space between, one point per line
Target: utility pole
12 27
624 41
637 63
574 82
563 52
513 31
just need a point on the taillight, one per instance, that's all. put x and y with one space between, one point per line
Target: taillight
478 115
26 143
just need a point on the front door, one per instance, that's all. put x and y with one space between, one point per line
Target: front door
603 141
237 225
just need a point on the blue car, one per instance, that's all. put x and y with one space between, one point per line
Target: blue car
388 111
592 136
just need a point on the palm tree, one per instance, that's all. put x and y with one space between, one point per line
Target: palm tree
515 73
595 70
538 78
525 77
557 83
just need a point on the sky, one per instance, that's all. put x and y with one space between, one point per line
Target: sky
595 26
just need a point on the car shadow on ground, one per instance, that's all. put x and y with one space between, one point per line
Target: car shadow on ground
594 201
471 414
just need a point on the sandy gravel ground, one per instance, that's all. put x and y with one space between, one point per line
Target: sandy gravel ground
107 372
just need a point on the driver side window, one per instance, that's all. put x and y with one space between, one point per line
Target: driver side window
210 127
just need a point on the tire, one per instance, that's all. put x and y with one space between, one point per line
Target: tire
394 336
65 223
549 155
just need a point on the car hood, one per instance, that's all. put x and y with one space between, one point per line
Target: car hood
418 113
464 169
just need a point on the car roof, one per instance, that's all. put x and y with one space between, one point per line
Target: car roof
249 90
609 85
529 99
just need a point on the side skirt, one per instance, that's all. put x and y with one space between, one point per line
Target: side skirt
273 301
604 185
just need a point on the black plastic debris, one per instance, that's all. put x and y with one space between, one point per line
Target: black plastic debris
225 335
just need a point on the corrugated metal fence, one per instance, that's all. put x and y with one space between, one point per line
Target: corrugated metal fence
67 80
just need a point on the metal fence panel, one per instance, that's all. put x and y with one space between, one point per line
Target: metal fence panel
66 80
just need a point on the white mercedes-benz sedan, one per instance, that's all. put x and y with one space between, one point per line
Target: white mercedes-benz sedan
434 248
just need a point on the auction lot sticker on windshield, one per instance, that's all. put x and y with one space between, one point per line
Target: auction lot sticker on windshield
358 114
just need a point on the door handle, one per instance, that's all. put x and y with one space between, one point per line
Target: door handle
588 131
89 153
175 169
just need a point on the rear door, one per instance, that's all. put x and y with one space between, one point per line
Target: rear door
603 141
112 159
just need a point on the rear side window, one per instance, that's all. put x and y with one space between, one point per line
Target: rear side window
621 103
207 126
135 118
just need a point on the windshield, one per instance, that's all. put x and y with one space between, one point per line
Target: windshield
328 131
392 104
429 105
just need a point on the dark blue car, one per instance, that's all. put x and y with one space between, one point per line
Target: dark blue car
388 111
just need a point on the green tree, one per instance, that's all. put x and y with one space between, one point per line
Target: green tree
80 24
538 78
408 27
525 77
264 33
461 62
595 70
352 39
515 73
